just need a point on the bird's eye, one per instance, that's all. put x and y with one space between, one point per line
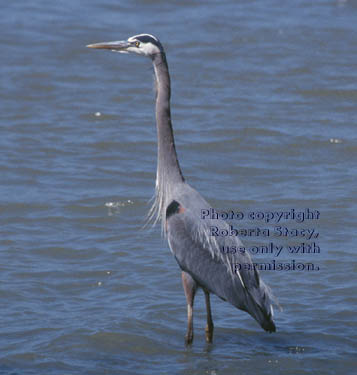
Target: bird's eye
137 44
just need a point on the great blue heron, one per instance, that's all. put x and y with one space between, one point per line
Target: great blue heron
230 275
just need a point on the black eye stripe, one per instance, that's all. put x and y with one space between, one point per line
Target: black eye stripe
146 39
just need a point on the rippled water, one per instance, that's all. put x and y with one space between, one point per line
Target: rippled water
264 113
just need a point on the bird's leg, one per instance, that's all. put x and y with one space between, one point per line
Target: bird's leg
210 326
189 286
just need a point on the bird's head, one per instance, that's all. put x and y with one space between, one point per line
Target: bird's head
142 44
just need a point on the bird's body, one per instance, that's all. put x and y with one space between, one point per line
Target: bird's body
229 275
200 255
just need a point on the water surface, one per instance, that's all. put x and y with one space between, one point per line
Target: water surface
264 113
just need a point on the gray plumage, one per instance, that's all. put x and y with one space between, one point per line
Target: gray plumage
178 206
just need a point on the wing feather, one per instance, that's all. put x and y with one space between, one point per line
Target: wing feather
200 254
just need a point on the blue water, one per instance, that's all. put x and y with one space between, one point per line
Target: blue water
264 113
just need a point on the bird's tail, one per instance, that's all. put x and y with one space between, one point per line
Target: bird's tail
261 307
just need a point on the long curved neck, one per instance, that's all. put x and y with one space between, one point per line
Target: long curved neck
167 163
168 174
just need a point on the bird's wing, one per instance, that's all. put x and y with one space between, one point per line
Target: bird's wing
231 276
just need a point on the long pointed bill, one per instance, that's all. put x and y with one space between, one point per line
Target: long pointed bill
118 46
